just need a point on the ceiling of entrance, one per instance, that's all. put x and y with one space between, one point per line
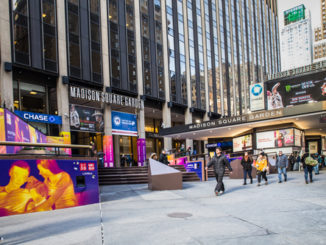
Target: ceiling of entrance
310 123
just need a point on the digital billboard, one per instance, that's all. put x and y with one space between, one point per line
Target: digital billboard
46 184
242 143
275 138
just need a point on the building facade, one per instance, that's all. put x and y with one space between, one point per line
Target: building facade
320 36
296 38
163 63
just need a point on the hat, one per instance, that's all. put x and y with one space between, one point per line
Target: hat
97 113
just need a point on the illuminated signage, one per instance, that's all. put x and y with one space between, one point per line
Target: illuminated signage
294 14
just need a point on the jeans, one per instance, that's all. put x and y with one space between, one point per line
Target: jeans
245 172
261 174
316 169
280 171
306 170
219 179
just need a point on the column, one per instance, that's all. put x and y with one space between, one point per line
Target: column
141 143
108 150
62 89
6 85
166 110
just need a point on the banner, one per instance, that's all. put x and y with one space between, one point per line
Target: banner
67 141
28 185
242 143
141 151
257 101
124 123
297 137
38 117
86 119
2 131
295 92
108 151
196 167
275 139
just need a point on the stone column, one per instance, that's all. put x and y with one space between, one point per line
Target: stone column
166 110
62 89
6 84
116 144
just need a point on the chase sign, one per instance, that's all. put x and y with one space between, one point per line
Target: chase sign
38 117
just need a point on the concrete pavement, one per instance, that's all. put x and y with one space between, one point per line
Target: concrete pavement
287 213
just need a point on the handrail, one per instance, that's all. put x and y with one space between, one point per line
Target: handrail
12 143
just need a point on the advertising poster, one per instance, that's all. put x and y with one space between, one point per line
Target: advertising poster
195 166
294 92
277 138
181 161
86 119
141 151
55 140
124 123
242 143
297 137
2 131
108 151
171 159
67 141
44 185
257 101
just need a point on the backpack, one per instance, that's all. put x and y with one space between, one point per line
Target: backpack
310 161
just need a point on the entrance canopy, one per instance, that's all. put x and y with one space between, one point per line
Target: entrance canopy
307 117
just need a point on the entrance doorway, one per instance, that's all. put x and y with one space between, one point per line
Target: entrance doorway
85 138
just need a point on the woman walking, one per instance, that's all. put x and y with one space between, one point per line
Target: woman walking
261 165
247 168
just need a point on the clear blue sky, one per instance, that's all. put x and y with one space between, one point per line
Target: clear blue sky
312 5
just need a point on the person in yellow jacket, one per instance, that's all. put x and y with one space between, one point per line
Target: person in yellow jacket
261 165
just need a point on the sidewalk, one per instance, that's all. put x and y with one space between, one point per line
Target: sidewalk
287 213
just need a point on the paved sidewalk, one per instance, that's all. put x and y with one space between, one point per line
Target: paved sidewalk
287 213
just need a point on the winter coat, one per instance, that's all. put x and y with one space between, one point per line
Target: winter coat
219 163
261 165
163 159
282 161
246 164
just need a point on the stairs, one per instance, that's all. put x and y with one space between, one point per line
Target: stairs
120 176
136 175
186 176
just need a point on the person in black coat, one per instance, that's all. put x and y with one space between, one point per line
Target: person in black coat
163 158
219 161
246 163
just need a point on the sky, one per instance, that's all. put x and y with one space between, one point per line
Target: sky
312 5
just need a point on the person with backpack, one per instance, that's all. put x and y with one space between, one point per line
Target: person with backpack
247 168
282 164
308 165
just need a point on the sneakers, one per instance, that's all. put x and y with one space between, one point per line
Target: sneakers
311 181
306 181
280 182
258 184
244 183
266 183
216 193
220 193
251 181
285 179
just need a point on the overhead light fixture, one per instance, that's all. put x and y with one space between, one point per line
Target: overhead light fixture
43 15
110 17
16 101
33 92
197 121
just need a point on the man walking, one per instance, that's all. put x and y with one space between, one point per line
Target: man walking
219 161
282 163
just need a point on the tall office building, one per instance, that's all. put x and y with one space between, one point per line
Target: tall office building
166 63
320 36
296 38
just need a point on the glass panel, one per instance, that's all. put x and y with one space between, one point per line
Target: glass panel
20 6
21 40
74 54
48 13
113 11
50 51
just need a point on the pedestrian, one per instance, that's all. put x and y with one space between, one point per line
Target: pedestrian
307 161
261 165
297 163
182 150
319 160
281 164
153 156
163 158
291 162
246 163
220 162
124 161
188 152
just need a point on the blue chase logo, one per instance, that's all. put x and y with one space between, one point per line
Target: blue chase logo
257 89
117 120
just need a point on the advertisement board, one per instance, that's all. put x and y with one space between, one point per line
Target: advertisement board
45 184
86 119
141 151
276 138
108 151
242 143
297 137
124 123
257 101
293 92
2 131
16 130
196 167
38 117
